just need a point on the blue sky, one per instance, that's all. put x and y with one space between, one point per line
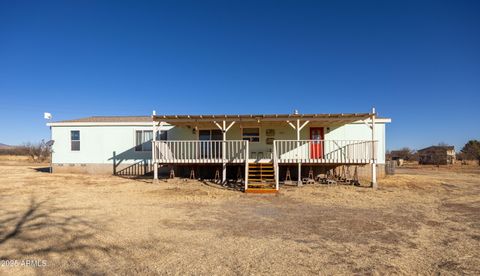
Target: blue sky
417 62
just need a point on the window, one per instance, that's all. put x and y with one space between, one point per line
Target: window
143 139
75 140
251 134
210 134
162 135
209 149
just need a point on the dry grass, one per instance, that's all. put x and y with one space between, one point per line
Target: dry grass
421 221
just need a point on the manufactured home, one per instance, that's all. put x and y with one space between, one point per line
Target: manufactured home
256 148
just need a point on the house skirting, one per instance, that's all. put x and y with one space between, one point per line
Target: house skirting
364 171
83 168
208 170
93 168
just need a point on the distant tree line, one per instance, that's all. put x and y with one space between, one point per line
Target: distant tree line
36 151
405 153
471 151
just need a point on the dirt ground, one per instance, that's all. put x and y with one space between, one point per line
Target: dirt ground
424 220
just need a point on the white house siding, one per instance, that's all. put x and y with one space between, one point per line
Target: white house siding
97 144
360 131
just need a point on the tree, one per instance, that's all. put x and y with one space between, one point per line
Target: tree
38 152
471 150
405 153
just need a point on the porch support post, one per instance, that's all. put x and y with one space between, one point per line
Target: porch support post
298 127
304 124
224 158
275 166
246 163
374 153
299 180
224 128
154 150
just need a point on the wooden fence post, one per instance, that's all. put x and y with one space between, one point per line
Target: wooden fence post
114 163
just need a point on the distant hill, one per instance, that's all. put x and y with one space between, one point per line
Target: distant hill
3 146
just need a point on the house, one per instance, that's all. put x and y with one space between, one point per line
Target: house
437 155
400 156
261 148
397 155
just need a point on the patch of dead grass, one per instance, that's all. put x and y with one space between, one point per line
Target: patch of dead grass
420 221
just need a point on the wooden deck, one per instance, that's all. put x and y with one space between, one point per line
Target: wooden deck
284 152
261 175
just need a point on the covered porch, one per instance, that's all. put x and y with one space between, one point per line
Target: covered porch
262 139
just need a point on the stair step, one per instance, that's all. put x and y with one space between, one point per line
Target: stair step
260 191
264 173
261 185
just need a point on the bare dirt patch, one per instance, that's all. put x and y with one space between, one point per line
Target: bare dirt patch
420 221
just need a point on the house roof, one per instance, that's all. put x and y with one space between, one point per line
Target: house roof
437 148
106 121
109 119
396 152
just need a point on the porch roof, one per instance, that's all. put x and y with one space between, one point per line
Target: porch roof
340 118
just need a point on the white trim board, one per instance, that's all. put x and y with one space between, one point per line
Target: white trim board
62 124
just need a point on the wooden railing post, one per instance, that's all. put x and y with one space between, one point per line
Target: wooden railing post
275 166
374 157
154 151
114 163
246 148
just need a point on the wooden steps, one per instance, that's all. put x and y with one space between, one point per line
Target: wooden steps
261 178
260 191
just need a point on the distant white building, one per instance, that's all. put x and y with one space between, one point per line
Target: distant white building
254 144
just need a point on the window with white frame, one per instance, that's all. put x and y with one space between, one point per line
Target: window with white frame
143 139
251 134
75 140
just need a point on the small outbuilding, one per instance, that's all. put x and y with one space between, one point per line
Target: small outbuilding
398 156
437 155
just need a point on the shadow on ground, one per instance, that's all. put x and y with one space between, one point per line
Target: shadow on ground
43 231
42 169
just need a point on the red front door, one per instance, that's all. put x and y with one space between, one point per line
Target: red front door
316 147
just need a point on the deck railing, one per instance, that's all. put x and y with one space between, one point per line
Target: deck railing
284 151
324 151
212 151
140 168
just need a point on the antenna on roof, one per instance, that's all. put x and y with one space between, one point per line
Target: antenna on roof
295 112
49 144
